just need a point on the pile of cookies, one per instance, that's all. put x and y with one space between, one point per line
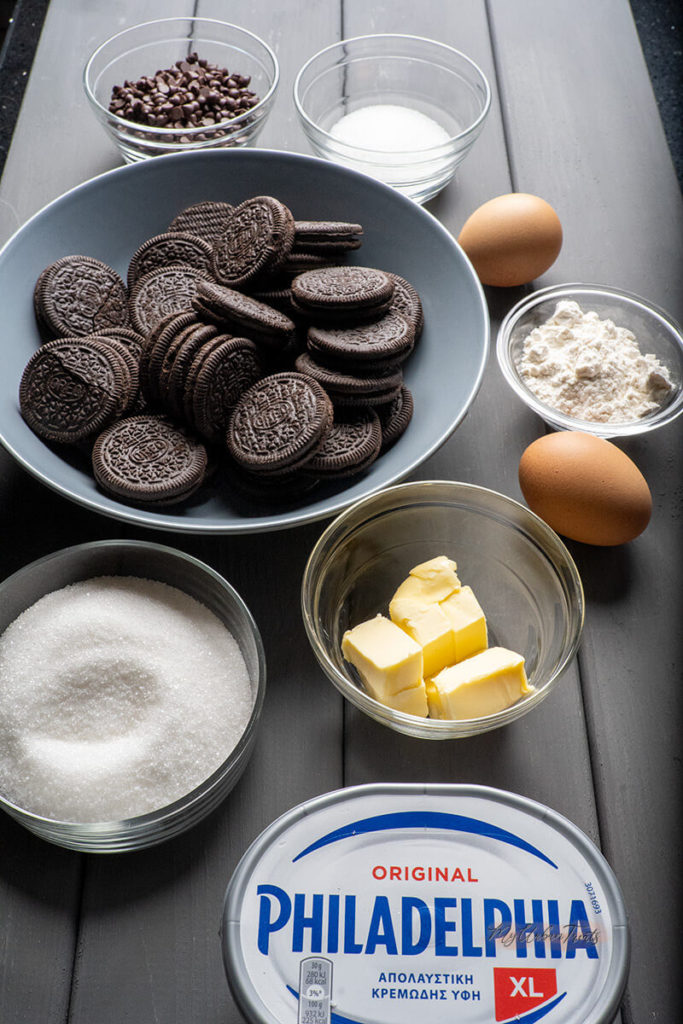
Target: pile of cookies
240 332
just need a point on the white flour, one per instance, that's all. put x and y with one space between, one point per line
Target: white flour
590 369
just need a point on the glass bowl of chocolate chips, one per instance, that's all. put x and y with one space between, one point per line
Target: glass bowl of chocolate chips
180 84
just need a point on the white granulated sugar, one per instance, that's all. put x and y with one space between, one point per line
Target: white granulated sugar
591 369
389 128
118 695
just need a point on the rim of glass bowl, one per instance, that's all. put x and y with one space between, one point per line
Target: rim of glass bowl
343 147
665 414
164 132
536 531
172 819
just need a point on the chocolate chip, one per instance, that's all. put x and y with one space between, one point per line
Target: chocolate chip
191 94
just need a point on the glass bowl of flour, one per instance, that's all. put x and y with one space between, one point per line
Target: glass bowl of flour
403 109
132 678
596 359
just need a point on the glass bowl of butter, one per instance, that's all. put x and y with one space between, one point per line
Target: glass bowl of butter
442 609
400 108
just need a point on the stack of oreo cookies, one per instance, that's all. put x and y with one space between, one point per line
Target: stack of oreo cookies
365 323
239 330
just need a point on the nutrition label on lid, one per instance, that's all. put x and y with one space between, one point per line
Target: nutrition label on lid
315 991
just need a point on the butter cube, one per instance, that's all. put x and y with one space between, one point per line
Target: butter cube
481 685
434 703
433 631
387 659
468 624
412 701
428 583
439 568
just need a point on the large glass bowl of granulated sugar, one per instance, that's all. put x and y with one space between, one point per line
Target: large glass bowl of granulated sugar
132 678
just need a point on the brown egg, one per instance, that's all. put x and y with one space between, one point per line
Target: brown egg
512 239
585 488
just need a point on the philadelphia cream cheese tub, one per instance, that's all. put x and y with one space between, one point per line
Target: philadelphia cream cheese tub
422 904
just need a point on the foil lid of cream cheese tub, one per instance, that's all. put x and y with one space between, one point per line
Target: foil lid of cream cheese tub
397 904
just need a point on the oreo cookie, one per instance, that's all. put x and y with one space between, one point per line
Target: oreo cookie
244 314
223 376
132 383
330 237
148 459
286 489
395 417
407 302
280 298
346 364
207 220
168 249
349 294
352 389
372 401
279 423
258 238
301 260
43 327
390 337
79 295
166 327
173 388
133 340
195 335
352 444
162 292
72 387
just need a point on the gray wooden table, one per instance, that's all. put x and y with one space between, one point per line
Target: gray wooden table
133 938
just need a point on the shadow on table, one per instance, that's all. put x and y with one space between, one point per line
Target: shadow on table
606 573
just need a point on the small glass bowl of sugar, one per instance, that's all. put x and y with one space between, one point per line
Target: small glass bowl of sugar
401 108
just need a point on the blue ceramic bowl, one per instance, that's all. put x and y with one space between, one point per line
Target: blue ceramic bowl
109 218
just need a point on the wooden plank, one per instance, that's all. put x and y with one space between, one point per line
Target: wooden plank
584 131
39 891
148 942
555 733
